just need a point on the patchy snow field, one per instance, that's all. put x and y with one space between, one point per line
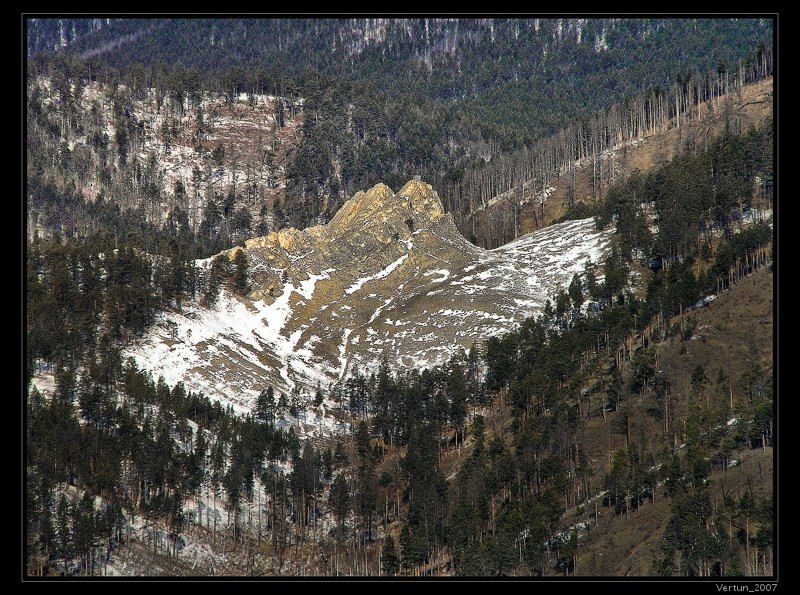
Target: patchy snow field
327 304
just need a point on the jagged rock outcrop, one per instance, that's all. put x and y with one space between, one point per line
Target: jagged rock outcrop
389 275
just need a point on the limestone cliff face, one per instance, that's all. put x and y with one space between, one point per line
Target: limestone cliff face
389 275
372 229
380 204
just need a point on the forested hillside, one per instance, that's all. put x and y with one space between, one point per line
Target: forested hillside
567 174
509 459
46 34
169 155
453 100
399 297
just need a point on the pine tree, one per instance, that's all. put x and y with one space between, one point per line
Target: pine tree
239 281
265 406
576 291
339 500
63 533
389 561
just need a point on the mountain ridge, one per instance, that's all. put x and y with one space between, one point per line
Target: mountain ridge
390 276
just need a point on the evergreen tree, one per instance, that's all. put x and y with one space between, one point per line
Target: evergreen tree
239 280
389 561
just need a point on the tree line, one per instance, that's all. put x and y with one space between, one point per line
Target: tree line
532 169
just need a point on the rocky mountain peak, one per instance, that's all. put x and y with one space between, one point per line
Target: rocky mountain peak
416 205
423 199
389 276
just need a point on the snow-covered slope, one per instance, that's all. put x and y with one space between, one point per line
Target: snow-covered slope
389 275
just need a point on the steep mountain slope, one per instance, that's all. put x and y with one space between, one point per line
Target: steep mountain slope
584 182
389 275
740 324
146 147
